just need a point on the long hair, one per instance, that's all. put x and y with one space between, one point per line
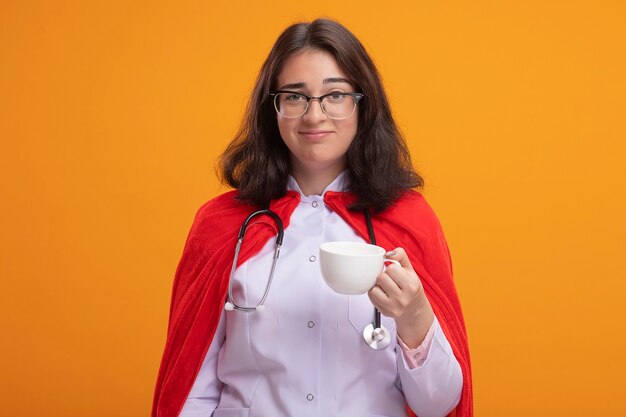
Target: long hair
379 168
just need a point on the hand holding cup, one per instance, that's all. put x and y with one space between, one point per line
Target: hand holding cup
354 268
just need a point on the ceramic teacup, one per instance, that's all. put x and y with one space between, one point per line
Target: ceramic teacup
351 268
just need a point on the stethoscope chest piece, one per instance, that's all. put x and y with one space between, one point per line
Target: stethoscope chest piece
377 339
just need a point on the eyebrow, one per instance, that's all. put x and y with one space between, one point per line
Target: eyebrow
326 81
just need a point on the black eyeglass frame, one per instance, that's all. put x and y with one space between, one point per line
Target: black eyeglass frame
356 96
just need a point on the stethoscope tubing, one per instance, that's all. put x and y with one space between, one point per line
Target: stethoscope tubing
370 231
230 304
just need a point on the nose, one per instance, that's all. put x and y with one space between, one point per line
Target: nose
314 112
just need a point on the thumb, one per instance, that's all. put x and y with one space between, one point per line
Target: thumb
400 255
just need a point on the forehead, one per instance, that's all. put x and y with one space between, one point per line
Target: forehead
310 67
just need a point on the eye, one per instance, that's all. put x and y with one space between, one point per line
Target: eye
336 97
293 97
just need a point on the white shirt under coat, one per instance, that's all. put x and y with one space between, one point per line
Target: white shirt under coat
305 355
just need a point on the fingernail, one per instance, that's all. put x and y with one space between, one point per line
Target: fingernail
390 253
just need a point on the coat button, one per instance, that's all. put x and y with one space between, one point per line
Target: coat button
311 324
312 258
314 204
310 397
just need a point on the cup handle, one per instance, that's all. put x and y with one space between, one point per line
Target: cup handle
393 261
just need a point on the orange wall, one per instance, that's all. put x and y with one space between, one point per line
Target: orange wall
113 113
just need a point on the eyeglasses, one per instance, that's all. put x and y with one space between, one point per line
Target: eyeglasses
335 105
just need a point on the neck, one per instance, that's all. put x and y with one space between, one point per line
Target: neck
314 183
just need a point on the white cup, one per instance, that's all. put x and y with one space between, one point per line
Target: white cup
351 268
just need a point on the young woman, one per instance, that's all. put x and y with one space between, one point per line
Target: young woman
319 149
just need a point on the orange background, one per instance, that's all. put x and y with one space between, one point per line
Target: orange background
112 114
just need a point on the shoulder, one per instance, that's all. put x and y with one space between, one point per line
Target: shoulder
223 203
413 218
411 207
409 215
413 224
219 215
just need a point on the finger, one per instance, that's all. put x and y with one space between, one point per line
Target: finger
399 254
388 284
401 277
378 296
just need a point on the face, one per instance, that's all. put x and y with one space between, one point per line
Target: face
317 143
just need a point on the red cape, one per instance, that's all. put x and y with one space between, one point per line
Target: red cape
201 280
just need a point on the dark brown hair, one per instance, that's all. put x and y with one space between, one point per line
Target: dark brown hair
379 167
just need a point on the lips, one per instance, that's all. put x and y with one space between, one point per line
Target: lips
315 134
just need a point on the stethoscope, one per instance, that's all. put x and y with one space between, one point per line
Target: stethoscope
375 334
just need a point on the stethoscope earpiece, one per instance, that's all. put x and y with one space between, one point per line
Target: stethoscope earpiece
229 306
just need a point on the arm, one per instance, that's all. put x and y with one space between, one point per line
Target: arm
434 388
433 385
205 393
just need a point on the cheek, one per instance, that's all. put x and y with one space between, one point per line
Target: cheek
350 129
285 127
